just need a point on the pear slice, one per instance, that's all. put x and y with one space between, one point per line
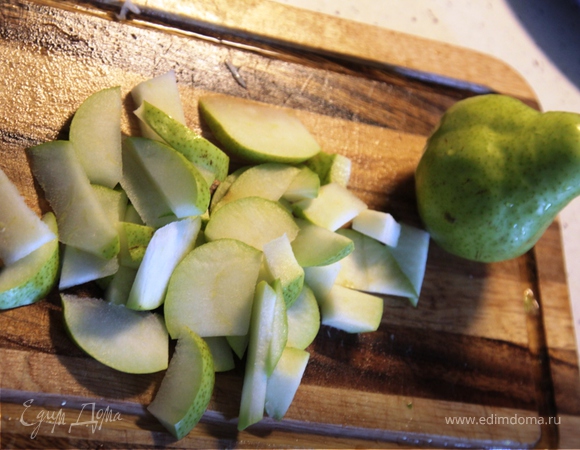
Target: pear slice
317 246
253 220
279 336
79 266
212 162
211 290
180 183
123 339
378 225
21 230
282 265
334 207
351 310
267 180
149 202
161 91
305 185
375 267
331 168
168 246
82 221
187 387
257 132
221 352
303 320
321 278
113 201
119 286
134 239
31 278
285 381
95 133
224 186
256 375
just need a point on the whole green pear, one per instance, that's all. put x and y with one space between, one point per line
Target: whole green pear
494 175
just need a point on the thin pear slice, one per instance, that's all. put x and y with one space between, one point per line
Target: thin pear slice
305 185
187 387
321 278
279 336
82 221
134 239
168 246
180 183
149 202
79 266
377 268
256 375
31 278
113 201
379 225
334 207
118 337
212 162
211 290
317 246
351 310
253 220
285 381
119 286
281 265
95 133
221 352
257 132
303 320
161 91
21 230
267 180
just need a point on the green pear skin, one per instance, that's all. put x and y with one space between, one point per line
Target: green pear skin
494 175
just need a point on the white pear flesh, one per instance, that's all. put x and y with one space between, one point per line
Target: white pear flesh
256 376
125 340
303 320
321 278
334 207
305 185
82 221
379 225
351 310
211 290
187 387
95 133
21 230
167 248
257 132
253 220
32 277
221 352
285 381
161 91
79 266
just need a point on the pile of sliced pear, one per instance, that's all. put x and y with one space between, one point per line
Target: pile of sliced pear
236 264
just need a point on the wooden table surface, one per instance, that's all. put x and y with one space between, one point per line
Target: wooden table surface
470 351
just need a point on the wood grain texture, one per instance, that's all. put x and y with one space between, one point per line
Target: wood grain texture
465 351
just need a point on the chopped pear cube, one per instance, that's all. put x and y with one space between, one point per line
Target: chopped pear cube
378 225
351 310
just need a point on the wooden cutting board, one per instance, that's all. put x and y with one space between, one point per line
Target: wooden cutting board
472 350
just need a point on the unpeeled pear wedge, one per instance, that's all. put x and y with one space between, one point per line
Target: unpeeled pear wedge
31 278
21 230
95 133
123 339
257 132
187 387
212 162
